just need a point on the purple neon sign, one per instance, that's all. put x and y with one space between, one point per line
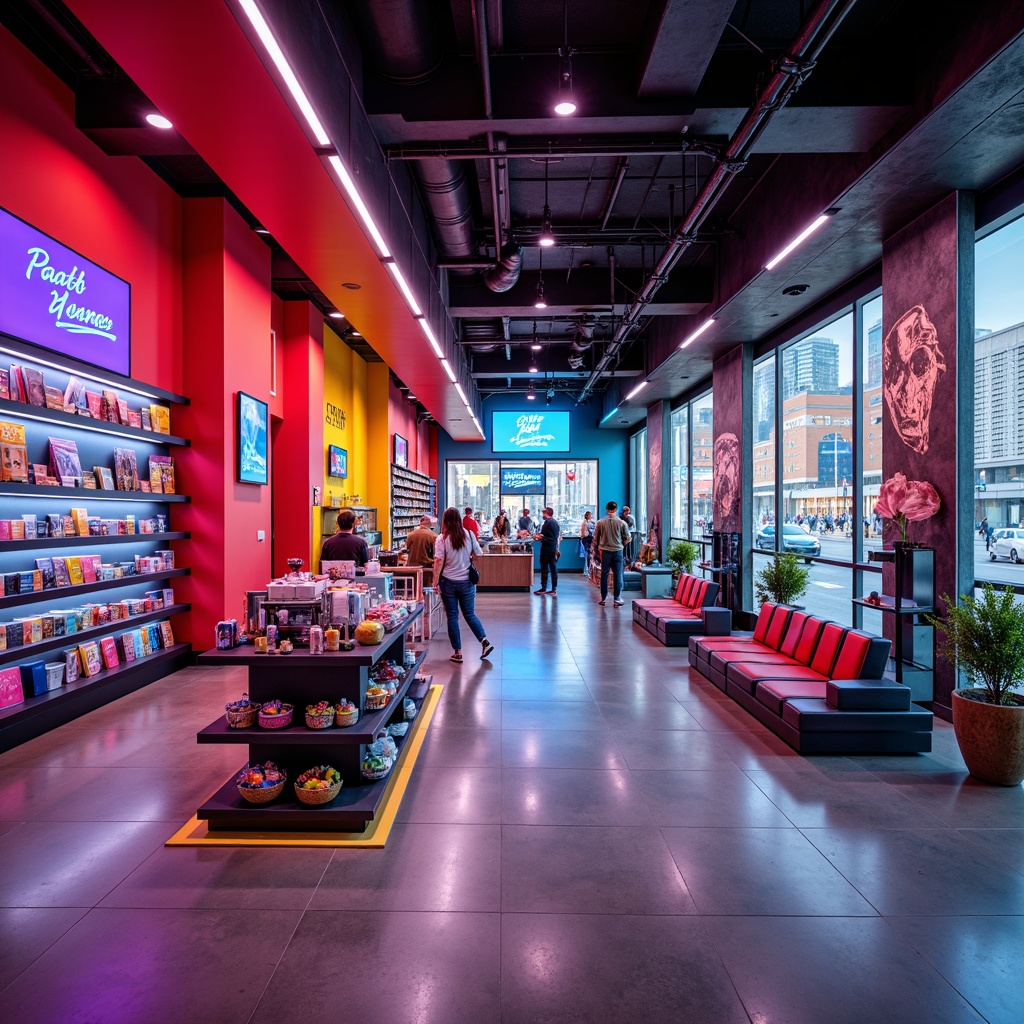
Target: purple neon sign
53 297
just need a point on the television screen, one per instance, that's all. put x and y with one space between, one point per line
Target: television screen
522 480
337 461
546 431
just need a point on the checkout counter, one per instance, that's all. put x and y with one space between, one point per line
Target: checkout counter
506 566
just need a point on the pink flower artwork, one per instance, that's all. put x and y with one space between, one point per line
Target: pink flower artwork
903 501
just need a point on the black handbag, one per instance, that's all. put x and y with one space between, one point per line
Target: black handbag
474 574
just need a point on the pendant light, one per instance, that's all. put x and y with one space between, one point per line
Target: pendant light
547 235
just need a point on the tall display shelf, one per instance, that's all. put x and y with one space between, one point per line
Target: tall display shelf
301 678
95 440
412 495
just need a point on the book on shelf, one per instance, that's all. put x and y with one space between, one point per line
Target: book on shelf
5 383
166 634
17 384
13 453
94 403
144 416
80 517
73 395
134 419
108 648
75 570
88 569
54 398
11 691
108 406
92 660
45 566
31 521
161 474
17 529
61 576
89 480
105 477
35 386
72 666
127 643
65 463
126 469
160 416
122 412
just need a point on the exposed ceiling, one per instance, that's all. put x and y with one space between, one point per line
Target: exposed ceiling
691 158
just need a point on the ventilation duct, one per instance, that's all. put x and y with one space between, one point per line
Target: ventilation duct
447 196
505 273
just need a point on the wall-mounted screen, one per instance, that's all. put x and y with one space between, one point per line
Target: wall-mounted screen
337 461
53 297
530 431
522 480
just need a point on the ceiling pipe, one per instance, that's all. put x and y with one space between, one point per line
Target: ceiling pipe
614 194
557 147
789 75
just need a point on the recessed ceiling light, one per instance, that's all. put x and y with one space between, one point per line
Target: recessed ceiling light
351 286
536 348
158 121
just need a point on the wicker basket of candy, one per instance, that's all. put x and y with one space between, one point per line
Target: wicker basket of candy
276 715
319 785
379 758
320 715
347 713
261 783
241 714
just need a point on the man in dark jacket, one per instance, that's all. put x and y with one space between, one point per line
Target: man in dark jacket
550 535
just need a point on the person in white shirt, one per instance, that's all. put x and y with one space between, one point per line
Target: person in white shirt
453 557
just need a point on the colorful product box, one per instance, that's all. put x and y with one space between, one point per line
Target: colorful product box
33 678
11 691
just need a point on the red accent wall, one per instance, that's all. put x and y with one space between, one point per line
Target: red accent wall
402 420
113 210
225 349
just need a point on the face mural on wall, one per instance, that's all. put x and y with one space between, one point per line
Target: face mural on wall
725 506
911 364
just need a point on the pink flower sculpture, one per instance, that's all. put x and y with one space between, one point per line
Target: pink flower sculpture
903 501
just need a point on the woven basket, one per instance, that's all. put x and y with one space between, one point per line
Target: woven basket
319 721
316 797
277 721
242 719
376 702
375 774
346 718
261 794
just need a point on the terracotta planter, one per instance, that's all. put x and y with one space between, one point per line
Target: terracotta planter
991 738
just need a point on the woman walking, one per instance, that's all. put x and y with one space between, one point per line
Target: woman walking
453 558
587 539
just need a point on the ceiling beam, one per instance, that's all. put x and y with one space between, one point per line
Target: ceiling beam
680 37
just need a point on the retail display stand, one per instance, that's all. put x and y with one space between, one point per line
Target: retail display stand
412 496
301 678
95 440
913 638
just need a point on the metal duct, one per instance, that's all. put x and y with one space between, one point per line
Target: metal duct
447 196
399 37
790 73
505 273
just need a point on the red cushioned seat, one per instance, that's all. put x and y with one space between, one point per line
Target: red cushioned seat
774 693
808 640
764 618
721 659
794 630
851 655
683 578
686 590
825 652
696 598
734 643
777 629
748 674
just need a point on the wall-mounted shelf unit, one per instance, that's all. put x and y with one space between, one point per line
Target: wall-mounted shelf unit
412 495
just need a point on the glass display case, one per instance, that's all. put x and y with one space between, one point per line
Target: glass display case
366 522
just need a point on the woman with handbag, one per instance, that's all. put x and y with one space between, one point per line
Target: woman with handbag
457 578
587 539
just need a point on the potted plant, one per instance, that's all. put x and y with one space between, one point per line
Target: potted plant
681 555
985 638
783 580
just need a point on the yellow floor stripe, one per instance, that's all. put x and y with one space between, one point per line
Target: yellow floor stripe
195 833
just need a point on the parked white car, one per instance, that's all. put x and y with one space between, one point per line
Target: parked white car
1007 543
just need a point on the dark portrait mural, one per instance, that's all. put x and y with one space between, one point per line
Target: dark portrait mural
911 364
725 503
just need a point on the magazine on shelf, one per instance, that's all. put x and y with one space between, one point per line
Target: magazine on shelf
92 660
126 469
54 399
61 576
105 477
127 646
13 453
161 474
72 666
108 407
35 386
5 383
73 395
17 384
94 403
65 463
108 648
160 415
166 634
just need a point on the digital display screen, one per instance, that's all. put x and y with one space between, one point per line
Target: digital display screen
53 297
530 431
522 480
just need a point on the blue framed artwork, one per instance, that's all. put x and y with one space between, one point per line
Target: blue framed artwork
252 440
337 461
546 431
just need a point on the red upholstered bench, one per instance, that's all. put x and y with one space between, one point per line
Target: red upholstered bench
689 612
816 684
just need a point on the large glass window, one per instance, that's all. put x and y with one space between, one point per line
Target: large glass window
638 468
764 446
571 491
474 484
702 443
680 494
871 468
999 402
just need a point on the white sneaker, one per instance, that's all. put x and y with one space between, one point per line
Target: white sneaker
618 604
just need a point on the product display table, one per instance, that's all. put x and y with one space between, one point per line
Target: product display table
301 678
505 572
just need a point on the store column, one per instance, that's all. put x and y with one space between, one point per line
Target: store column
928 387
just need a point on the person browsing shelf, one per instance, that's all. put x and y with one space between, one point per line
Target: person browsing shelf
345 546
611 536
420 543
549 536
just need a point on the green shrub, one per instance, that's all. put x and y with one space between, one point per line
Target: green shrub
681 555
783 580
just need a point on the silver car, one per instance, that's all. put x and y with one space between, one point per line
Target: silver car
1007 543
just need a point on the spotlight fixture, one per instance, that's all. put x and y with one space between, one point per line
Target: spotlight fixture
547 235
158 121
336 315
535 347
565 103
531 394
533 366
539 303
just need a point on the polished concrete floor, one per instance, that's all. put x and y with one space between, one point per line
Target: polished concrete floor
592 834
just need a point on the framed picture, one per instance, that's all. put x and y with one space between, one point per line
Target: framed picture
337 461
401 451
252 440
